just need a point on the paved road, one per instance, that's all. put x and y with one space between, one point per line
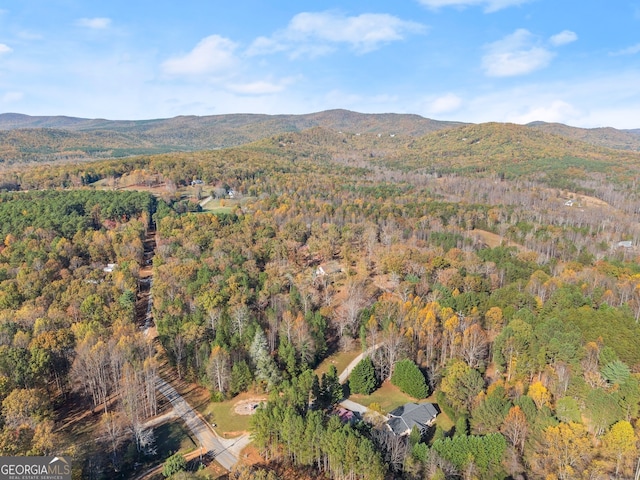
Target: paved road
224 451
347 371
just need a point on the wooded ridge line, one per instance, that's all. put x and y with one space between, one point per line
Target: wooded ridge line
25 138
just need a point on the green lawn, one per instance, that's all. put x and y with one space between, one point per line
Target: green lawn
225 205
227 421
388 396
339 359
443 419
173 437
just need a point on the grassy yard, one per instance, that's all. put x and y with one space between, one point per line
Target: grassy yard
339 359
388 396
443 419
228 422
224 205
174 437
444 422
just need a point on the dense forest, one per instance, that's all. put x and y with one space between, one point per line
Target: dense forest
499 274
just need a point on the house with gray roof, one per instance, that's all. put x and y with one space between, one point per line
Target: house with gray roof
402 420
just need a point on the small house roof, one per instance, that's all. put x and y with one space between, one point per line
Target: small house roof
411 414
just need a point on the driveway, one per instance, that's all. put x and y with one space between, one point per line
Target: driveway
349 404
354 407
224 451
347 371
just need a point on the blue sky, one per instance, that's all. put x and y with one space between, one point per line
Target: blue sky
569 61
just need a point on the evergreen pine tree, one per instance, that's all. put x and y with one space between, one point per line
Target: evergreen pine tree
266 369
408 378
363 377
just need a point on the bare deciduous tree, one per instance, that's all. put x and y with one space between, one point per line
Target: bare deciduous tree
348 311
475 346
219 368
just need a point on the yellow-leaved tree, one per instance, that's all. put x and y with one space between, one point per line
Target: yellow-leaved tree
539 394
620 446
563 451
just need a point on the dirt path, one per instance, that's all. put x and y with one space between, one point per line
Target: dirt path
493 240
160 419
206 200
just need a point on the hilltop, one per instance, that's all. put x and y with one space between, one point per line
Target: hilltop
604 137
507 150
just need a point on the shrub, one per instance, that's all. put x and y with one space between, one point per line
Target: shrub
174 464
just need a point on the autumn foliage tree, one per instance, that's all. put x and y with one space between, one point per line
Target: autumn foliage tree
564 450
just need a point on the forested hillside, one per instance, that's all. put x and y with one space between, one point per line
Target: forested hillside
495 263
47 139
605 137
67 139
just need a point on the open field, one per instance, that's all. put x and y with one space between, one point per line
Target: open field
388 396
494 240
221 205
339 359
229 423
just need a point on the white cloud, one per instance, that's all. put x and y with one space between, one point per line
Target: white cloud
265 45
489 5
515 54
5 48
97 23
445 104
318 33
556 111
609 99
213 54
632 50
261 87
562 38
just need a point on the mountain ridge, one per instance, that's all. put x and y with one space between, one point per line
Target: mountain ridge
602 136
25 138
